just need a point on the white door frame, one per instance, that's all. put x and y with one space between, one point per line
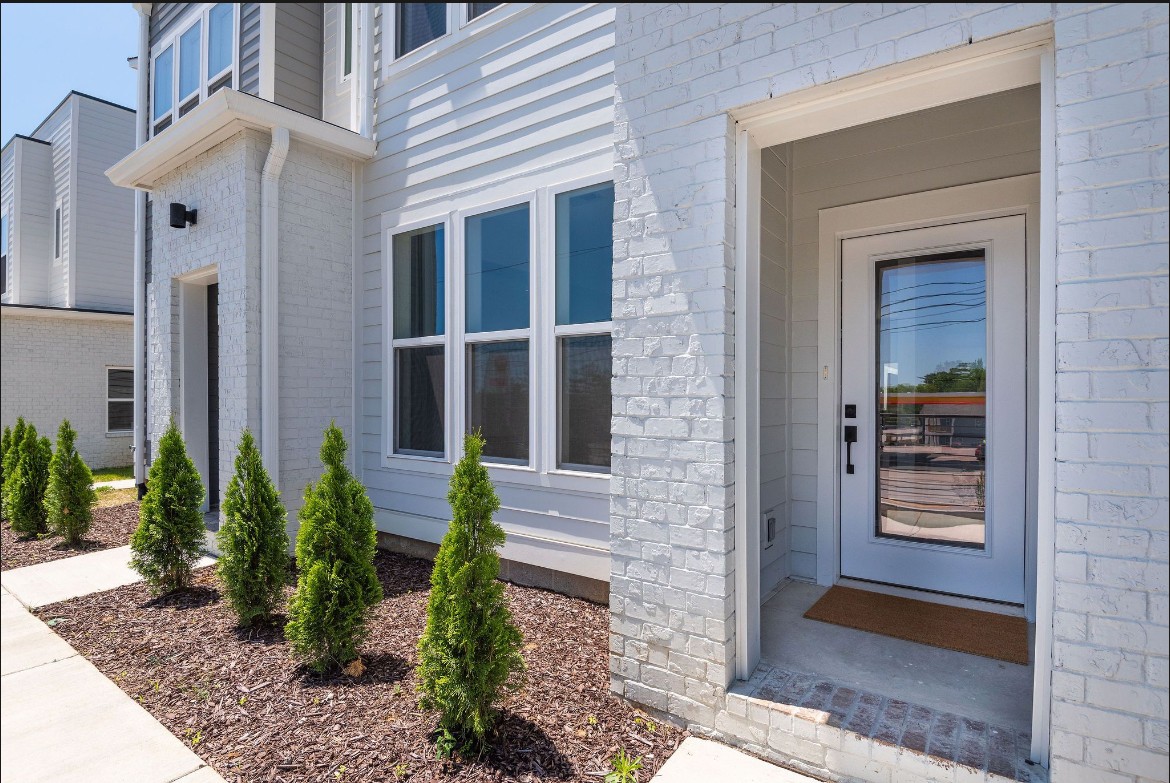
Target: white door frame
1002 63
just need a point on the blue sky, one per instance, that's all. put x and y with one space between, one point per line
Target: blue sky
48 49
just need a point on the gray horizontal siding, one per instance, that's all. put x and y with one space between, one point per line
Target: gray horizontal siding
164 17
250 48
297 72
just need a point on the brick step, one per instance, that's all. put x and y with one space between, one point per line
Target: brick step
842 733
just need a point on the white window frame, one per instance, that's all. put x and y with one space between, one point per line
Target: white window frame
555 333
201 17
459 30
58 229
110 399
393 343
542 335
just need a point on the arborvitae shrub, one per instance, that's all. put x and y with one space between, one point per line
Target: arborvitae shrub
253 542
169 538
5 444
470 650
25 488
70 497
11 456
337 583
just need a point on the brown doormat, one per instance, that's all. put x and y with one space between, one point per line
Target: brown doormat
950 627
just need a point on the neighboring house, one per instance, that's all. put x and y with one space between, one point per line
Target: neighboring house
878 295
67 238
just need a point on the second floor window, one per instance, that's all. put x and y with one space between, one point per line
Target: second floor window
417 24
57 231
192 64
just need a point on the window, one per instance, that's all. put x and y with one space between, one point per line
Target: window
497 251
347 55
181 80
418 285
119 399
584 281
57 231
479 9
4 253
499 322
417 24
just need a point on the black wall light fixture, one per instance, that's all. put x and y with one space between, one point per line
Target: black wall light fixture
181 217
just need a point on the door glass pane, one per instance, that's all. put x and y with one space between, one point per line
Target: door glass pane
419 283
585 255
419 23
931 399
189 60
497 270
221 28
419 414
163 82
586 367
498 398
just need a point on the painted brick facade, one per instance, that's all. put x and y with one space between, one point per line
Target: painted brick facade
679 69
316 310
54 367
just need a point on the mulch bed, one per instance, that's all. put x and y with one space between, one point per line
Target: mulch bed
112 527
237 698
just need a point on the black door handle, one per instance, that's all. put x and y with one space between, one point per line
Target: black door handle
850 439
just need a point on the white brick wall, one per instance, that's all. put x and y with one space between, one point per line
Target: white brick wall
52 368
316 303
679 68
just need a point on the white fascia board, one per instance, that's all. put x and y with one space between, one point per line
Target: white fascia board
217 119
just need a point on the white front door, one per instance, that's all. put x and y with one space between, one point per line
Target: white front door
934 352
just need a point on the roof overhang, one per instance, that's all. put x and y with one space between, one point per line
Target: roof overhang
68 313
217 119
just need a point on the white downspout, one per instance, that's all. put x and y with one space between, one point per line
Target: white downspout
270 303
140 228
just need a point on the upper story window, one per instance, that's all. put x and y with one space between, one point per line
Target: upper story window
475 10
347 38
417 24
194 62
57 232
4 253
419 27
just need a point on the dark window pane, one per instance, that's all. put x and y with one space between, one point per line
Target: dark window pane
419 275
479 9
420 410
498 398
586 367
347 57
497 270
121 416
419 23
120 384
585 255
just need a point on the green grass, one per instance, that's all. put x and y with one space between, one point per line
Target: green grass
115 497
114 474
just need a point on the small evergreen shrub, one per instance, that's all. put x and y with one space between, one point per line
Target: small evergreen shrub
5 444
8 464
470 650
253 542
25 487
70 497
337 583
169 538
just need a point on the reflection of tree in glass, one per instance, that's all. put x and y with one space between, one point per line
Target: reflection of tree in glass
960 377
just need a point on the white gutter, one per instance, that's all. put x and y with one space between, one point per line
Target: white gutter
270 303
140 255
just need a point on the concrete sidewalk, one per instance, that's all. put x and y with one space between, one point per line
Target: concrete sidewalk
63 720
703 761
60 580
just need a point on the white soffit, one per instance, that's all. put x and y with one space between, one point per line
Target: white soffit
217 119
994 65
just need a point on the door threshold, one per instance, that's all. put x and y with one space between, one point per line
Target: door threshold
934 597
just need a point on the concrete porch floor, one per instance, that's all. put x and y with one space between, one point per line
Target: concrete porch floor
982 689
